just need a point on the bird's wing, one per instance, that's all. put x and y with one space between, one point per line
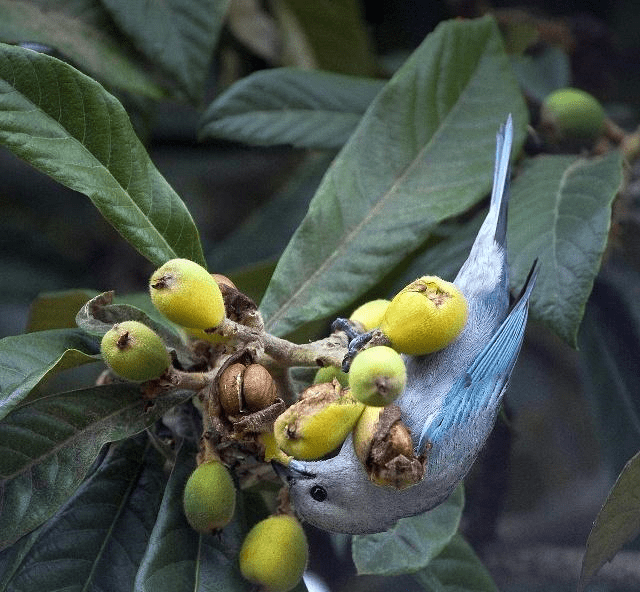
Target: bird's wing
482 385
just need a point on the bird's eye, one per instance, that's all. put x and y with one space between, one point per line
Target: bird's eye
318 493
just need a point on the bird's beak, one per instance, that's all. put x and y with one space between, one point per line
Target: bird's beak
294 470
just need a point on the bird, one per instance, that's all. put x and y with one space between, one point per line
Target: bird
451 398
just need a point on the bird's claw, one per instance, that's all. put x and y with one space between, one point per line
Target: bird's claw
363 341
347 326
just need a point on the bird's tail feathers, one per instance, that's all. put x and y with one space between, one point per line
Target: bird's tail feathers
501 174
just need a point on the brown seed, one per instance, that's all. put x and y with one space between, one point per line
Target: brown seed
230 389
258 388
223 280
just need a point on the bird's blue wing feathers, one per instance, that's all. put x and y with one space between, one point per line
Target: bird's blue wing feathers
484 382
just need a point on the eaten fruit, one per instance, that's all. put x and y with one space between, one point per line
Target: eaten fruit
425 316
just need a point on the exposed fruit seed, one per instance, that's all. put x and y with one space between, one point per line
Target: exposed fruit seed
246 389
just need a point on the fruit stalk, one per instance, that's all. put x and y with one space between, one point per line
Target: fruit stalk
329 351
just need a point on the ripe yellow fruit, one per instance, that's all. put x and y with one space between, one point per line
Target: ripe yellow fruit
186 294
425 316
318 423
274 553
377 376
328 373
370 314
209 497
134 351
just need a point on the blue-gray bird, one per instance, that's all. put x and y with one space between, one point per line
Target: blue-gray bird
451 398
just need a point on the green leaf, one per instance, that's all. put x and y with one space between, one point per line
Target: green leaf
445 257
177 35
542 73
98 539
308 109
456 569
26 361
99 314
608 341
49 444
82 31
57 310
423 152
265 232
11 558
560 212
335 30
412 543
177 557
67 126
618 522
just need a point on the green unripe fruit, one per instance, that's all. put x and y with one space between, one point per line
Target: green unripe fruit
209 497
377 376
274 554
370 314
187 294
328 373
425 316
134 351
571 116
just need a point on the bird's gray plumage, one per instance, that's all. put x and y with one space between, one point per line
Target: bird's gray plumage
451 398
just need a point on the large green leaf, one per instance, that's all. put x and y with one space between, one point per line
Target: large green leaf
98 538
412 543
609 342
178 559
617 523
49 444
11 558
82 31
542 73
177 35
560 213
309 109
423 152
66 125
456 569
27 360
335 31
57 310
265 232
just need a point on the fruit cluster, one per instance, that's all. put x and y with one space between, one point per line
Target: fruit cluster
246 412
